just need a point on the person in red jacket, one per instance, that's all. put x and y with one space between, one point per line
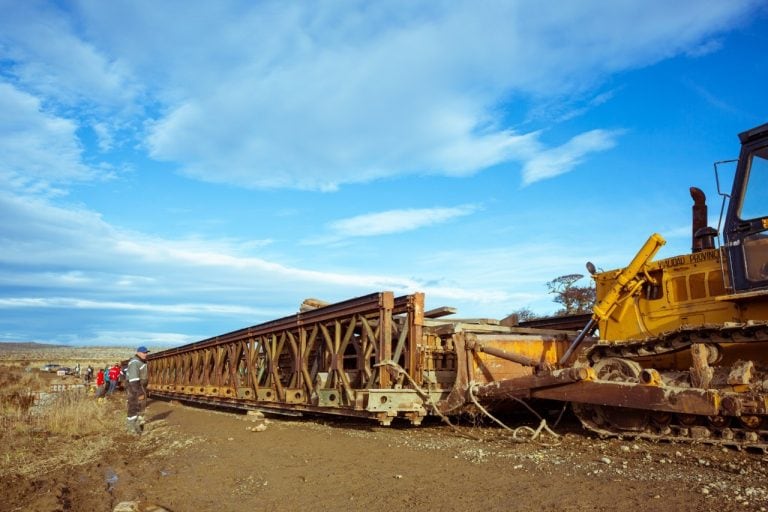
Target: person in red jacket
114 375
100 383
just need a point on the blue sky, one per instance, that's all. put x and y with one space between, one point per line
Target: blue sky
171 171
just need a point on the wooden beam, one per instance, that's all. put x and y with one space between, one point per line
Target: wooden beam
441 311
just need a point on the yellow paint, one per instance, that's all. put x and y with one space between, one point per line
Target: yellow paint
671 293
489 368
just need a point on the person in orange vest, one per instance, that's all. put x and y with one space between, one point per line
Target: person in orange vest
114 375
100 383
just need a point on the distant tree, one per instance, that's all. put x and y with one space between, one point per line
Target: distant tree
574 299
520 315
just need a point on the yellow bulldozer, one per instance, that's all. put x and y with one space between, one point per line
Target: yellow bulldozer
696 322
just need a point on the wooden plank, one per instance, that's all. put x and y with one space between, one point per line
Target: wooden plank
483 321
441 311
444 328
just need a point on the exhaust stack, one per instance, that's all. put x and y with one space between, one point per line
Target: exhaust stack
699 218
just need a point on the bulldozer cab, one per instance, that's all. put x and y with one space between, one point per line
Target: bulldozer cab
745 231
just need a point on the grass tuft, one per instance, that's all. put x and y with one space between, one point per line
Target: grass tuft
17 394
75 414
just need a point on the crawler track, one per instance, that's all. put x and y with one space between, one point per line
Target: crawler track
671 427
743 421
682 339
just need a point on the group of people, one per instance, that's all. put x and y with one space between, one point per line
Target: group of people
107 380
134 378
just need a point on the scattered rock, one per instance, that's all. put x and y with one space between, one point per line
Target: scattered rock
254 416
258 420
127 506
135 506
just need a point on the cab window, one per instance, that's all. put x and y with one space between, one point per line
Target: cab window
755 203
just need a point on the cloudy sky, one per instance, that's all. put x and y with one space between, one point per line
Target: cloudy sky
171 171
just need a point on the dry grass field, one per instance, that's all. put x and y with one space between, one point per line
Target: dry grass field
35 355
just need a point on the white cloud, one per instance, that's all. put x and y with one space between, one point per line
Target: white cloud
396 221
51 59
713 99
37 150
314 96
707 47
111 262
77 303
129 338
553 162
104 136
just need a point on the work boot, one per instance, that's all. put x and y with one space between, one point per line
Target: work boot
133 426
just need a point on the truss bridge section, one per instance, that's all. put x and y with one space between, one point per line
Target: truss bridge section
352 358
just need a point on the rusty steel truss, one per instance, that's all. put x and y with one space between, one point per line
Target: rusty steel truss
359 357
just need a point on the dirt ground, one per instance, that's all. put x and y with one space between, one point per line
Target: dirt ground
192 459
